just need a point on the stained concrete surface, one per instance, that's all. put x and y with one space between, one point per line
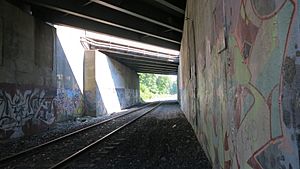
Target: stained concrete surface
239 81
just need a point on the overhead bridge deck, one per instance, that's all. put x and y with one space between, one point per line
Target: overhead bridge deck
141 60
157 22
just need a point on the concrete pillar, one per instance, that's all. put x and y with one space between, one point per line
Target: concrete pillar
1 41
89 83
109 86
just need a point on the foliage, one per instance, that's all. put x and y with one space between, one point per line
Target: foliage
173 89
152 85
145 92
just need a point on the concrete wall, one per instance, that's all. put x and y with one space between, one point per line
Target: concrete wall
240 83
69 66
109 86
37 86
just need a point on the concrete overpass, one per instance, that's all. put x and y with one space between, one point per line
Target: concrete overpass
141 60
238 69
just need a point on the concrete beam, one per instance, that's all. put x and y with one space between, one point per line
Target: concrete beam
154 69
171 6
138 15
103 28
88 14
151 9
96 18
134 64
141 61
148 65
157 72
130 56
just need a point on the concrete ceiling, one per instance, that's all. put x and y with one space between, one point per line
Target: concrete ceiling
147 65
157 22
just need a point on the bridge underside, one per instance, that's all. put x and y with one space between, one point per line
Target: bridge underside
137 58
156 22
155 66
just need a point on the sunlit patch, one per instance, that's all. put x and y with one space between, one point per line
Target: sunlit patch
105 83
155 87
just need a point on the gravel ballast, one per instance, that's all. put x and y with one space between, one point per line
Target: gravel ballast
162 139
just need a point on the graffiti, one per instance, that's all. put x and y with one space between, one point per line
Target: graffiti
68 102
127 97
289 70
249 113
26 110
273 155
261 83
24 106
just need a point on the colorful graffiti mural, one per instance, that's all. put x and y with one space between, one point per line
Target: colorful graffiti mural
68 102
27 110
249 93
259 43
21 109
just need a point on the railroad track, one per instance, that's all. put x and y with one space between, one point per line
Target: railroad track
62 150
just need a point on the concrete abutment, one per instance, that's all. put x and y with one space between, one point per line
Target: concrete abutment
41 76
109 86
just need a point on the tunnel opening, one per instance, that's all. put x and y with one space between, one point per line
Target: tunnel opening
157 87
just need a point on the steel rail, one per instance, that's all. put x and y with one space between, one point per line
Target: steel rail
71 157
30 150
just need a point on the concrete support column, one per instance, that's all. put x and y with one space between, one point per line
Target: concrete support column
109 86
89 83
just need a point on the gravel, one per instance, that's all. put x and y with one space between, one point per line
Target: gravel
54 153
11 146
162 139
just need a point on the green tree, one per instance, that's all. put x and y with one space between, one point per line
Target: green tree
163 84
152 85
173 88
145 92
149 81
